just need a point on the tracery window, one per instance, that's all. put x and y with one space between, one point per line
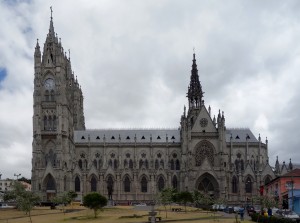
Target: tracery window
204 150
267 180
95 163
52 96
130 164
161 183
174 182
206 185
144 185
80 164
77 184
172 165
156 164
126 184
234 185
177 165
93 184
46 95
50 183
248 185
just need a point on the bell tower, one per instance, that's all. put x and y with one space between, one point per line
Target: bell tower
57 112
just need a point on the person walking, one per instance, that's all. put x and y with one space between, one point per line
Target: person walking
242 212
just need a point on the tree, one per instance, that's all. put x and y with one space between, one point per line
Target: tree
25 199
94 201
185 197
166 197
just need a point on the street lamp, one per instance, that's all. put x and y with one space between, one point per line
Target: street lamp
17 175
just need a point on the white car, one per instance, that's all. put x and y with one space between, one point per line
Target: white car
6 206
141 205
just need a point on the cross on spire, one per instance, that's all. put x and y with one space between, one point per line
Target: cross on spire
51 11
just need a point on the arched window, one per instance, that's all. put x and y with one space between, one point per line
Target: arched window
172 165
54 123
175 182
85 164
93 184
248 185
156 164
162 164
234 185
52 96
80 164
161 183
140 164
146 164
77 184
242 164
46 95
177 165
50 183
144 185
99 164
126 184
95 163
130 164
45 123
65 183
125 163
110 163
115 164
267 180
50 123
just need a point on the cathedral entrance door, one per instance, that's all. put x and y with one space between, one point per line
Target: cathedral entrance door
50 184
207 184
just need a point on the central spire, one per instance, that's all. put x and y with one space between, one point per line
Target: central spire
51 28
195 93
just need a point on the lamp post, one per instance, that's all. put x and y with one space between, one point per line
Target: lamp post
17 175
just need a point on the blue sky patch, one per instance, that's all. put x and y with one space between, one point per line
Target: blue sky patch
3 73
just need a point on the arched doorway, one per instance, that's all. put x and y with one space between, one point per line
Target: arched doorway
50 186
207 184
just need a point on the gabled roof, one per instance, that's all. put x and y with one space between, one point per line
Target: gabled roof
128 136
240 135
293 173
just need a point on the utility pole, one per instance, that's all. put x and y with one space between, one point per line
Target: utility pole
17 175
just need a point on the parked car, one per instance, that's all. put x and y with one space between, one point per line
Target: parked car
228 209
236 209
221 207
250 210
288 214
6 206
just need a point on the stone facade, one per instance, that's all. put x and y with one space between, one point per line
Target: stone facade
135 164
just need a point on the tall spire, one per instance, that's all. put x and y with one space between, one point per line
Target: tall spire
195 93
51 28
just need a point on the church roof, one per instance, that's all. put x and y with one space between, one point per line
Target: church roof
128 136
240 135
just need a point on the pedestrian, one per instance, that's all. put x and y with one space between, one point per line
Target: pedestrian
242 212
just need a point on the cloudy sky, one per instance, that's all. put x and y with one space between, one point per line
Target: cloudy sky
133 60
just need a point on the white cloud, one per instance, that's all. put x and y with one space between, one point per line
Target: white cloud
133 61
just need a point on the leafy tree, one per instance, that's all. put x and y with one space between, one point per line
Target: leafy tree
25 180
25 199
185 197
94 201
166 197
72 195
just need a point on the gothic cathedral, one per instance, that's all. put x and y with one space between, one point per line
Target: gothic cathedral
135 164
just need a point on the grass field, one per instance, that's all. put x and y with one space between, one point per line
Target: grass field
118 214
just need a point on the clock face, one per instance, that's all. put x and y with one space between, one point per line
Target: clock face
203 122
49 84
